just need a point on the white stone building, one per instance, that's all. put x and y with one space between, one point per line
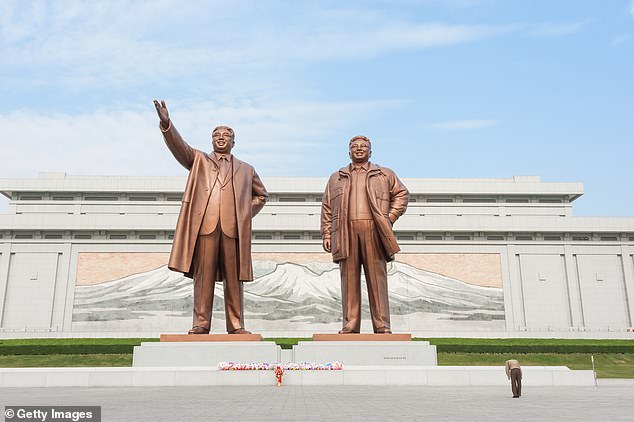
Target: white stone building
86 255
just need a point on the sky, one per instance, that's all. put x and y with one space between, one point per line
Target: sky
444 89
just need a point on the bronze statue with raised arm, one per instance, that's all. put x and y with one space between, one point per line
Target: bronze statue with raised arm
361 203
212 241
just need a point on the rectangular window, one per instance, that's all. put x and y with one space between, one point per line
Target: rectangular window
516 200
550 201
100 198
23 236
118 236
175 198
316 236
439 200
170 236
479 200
552 238
433 237
31 197
292 236
83 236
53 236
609 238
581 238
63 198
405 237
462 237
412 199
142 198
263 237
147 236
291 199
495 237
523 237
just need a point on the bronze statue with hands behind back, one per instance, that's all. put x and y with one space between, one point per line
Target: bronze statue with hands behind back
212 241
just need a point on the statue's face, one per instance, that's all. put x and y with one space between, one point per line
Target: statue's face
360 151
222 140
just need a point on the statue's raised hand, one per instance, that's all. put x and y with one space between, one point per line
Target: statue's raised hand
161 110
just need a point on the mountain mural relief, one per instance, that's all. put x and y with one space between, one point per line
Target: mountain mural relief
296 296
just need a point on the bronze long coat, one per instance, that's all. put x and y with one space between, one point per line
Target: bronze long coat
250 197
386 195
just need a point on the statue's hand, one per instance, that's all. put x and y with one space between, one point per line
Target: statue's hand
326 245
161 110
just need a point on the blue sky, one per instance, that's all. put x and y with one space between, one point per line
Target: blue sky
447 89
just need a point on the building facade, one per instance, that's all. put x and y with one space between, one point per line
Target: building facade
87 255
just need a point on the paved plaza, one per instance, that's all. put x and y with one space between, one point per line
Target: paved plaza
341 403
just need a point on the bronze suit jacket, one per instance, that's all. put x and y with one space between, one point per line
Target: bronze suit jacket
386 195
249 192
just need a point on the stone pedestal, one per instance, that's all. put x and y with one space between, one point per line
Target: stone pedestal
204 353
367 353
362 337
210 337
533 376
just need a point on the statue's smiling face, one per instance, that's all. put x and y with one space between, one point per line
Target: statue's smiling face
360 151
222 140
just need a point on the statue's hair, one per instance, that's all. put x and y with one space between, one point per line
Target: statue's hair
363 138
233 134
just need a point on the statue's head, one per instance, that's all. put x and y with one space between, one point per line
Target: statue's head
360 149
223 139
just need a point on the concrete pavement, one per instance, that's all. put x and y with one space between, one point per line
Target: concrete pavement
341 403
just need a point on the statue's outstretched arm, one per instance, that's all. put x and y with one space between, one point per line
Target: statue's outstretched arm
180 149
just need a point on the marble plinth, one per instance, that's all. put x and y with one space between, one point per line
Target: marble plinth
204 353
364 353
362 337
210 337
362 375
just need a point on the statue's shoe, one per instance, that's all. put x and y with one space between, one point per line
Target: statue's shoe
383 330
198 330
240 331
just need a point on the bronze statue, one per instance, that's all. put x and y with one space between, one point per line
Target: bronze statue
212 241
361 203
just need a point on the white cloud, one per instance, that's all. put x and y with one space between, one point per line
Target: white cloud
90 43
85 43
464 124
278 138
557 29
620 39
341 42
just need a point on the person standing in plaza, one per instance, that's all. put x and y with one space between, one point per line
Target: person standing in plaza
514 373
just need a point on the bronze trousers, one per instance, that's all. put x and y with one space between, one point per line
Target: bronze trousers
516 382
365 250
211 251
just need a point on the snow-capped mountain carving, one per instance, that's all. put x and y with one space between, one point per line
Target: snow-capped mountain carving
307 292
